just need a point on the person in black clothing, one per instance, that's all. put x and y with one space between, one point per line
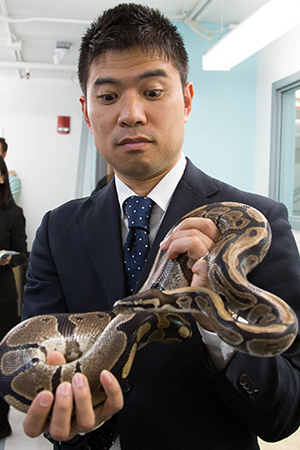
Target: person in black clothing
12 237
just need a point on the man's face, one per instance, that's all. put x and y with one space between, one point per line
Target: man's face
136 110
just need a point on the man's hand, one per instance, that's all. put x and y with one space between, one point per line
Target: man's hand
195 236
61 426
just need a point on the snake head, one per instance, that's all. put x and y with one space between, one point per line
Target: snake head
142 302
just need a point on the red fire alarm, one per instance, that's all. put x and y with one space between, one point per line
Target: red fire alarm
63 124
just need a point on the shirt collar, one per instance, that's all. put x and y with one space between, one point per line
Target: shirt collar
162 192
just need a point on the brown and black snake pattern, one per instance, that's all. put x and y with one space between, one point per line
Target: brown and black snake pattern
253 321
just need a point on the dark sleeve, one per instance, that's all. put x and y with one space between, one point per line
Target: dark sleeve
18 239
264 393
102 438
43 293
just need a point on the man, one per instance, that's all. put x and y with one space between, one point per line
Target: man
14 181
199 394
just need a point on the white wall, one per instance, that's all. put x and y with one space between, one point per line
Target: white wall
45 161
220 133
276 61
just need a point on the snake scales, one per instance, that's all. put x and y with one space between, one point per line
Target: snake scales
253 321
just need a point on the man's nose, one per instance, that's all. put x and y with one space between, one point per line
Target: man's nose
132 111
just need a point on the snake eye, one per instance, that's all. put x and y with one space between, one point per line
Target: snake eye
253 233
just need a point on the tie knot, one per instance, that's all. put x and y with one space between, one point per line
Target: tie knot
138 210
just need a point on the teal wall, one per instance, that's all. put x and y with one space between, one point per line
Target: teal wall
220 133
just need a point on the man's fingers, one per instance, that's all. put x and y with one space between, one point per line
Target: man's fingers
36 418
207 226
114 401
203 225
200 277
56 359
193 244
194 236
60 424
63 426
85 416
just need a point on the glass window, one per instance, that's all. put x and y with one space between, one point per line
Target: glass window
296 203
285 146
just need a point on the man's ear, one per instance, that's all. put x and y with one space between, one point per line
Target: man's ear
83 102
188 99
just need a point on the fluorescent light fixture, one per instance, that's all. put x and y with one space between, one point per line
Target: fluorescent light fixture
268 23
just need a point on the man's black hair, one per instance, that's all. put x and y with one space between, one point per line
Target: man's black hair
129 25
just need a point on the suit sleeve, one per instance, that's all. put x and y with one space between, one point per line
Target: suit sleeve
43 293
264 393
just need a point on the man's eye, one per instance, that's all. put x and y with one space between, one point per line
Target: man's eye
107 98
153 93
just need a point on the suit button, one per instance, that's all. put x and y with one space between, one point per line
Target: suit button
248 385
126 386
243 379
253 393
251 388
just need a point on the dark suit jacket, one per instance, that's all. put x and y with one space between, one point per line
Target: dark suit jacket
175 400
12 237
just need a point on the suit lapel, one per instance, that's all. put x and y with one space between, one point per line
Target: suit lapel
102 218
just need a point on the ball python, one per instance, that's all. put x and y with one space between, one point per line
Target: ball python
251 320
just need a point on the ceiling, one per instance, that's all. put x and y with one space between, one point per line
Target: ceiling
30 29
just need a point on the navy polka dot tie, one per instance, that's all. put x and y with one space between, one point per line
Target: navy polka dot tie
136 249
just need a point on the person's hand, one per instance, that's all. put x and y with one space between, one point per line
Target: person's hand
195 236
5 261
61 426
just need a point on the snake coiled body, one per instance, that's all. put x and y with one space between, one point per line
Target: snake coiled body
251 320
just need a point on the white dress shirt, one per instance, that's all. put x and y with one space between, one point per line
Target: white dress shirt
161 195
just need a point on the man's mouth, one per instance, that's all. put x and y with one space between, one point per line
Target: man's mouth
135 143
133 140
